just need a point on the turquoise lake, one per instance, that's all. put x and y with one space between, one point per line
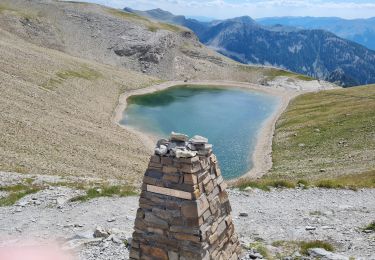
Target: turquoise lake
230 118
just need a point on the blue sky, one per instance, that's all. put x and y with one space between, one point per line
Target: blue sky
254 8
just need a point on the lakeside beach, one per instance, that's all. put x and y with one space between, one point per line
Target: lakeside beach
262 154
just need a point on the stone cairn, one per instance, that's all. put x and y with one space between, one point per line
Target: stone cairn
184 211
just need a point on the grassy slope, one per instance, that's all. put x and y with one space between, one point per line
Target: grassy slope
327 134
151 25
56 114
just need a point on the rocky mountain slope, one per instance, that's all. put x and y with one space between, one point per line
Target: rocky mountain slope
196 26
56 114
361 31
118 38
315 53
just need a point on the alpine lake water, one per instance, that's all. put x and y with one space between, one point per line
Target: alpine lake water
229 117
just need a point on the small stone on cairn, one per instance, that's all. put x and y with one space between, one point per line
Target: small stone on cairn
184 210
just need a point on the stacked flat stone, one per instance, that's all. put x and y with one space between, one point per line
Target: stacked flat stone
184 211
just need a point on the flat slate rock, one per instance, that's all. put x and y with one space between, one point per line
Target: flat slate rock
179 137
197 139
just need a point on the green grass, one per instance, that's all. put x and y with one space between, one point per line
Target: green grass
273 73
151 26
370 226
6 7
2 8
327 134
261 249
16 192
14 168
79 3
81 73
264 184
351 181
305 246
316 213
289 247
107 191
19 12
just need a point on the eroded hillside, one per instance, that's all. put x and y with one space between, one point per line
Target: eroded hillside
121 39
56 111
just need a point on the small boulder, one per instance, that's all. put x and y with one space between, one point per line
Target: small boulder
162 142
323 254
161 150
310 228
100 232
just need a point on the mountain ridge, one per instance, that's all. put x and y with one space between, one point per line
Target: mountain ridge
316 53
361 31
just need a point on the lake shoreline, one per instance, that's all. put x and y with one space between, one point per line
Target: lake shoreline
262 154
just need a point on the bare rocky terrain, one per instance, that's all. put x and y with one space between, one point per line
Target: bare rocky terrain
261 218
117 38
56 114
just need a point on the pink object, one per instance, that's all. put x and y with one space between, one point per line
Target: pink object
33 253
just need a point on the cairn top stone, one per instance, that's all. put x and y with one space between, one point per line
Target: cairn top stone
180 146
197 139
178 137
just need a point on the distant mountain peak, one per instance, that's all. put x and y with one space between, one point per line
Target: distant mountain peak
160 11
243 19
310 51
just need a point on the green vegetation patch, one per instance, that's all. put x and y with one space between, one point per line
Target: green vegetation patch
316 213
3 8
305 246
26 14
151 26
107 191
14 168
264 184
327 134
78 3
261 249
351 181
274 73
81 73
289 247
370 226
17 192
